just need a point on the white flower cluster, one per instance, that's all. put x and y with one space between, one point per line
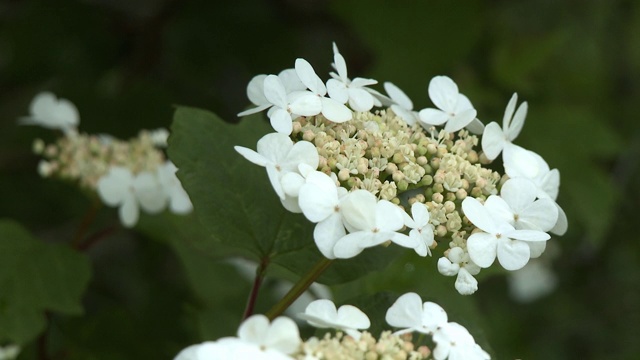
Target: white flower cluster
259 339
346 169
126 174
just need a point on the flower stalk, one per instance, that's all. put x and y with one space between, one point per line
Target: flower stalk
301 286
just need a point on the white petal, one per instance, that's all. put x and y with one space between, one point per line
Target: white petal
129 211
359 209
398 96
388 216
274 91
360 100
338 91
335 111
320 313
179 201
447 268
350 316
406 311
309 77
283 335
291 183
362 82
420 214
499 208
291 81
305 103
493 140
536 248
550 183
340 65
431 116
519 193
316 202
443 92
327 233
518 122
254 329
252 156
475 127
466 284
302 152
508 112
149 192
350 245
562 224
479 215
527 235
540 215
407 115
460 120
281 121
254 110
273 147
115 186
513 255
255 90
274 178
482 249
433 316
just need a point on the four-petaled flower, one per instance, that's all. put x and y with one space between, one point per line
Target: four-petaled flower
348 318
343 89
49 112
453 108
494 138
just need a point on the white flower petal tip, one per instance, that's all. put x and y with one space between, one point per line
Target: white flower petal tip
454 110
281 335
50 112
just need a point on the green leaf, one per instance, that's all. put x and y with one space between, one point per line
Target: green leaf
237 206
36 277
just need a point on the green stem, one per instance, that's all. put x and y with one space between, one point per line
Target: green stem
301 286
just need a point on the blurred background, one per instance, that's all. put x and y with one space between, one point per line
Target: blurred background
125 63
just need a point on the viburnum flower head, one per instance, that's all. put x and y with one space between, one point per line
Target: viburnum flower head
323 314
343 89
402 104
257 339
370 222
411 314
119 187
494 138
48 111
279 155
453 108
498 238
319 199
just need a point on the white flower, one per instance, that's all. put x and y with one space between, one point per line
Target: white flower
159 137
458 262
257 339
520 162
421 233
411 314
279 155
9 352
48 111
454 342
370 222
330 108
498 238
179 202
120 188
454 109
494 138
343 89
319 200
402 105
323 314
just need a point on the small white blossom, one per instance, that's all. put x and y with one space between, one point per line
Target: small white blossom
323 314
421 234
498 238
402 104
494 138
454 342
411 314
458 262
331 109
370 222
453 108
119 187
343 89
319 199
279 155
48 111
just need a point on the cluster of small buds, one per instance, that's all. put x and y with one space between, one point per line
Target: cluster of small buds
387 346
259 339
400 157
85 158
130 174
